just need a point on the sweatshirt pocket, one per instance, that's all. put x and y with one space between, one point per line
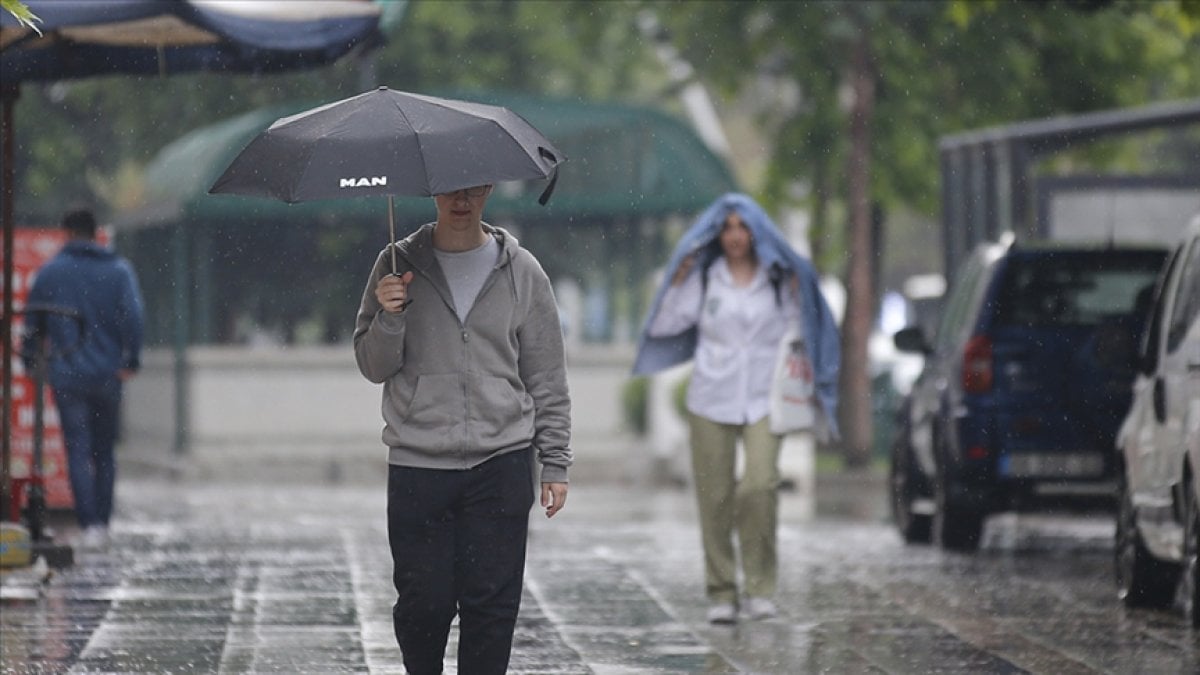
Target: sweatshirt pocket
434 413
498 410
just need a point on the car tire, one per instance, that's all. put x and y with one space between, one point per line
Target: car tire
1189 578
1142 579
956 526
904 486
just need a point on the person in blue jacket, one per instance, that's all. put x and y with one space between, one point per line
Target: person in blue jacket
732 289
86 371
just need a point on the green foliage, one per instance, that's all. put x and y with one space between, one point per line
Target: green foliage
22 13
940 68
679 396
1183 14
543 47
635 401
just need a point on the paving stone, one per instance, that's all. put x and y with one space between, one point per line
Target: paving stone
212 578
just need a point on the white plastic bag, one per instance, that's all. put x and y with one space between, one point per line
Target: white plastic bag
792 398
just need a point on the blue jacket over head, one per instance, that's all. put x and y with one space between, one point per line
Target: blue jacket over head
101 286
781 261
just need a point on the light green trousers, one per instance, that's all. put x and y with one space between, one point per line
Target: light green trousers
749 506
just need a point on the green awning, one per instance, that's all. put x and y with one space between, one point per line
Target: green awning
623 162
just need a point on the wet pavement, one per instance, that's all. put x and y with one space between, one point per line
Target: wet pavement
292 578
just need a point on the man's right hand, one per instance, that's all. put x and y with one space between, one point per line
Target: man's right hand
392 292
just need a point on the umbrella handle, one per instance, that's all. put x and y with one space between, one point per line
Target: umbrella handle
553 175
392 233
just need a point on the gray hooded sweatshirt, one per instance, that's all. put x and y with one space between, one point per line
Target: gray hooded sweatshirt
457 393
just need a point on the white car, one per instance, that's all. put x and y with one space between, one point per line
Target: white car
1158 522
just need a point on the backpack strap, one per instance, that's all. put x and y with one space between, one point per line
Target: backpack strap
775 276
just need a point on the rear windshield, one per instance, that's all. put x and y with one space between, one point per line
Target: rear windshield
1076 288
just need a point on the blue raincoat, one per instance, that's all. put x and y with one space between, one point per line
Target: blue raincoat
781 261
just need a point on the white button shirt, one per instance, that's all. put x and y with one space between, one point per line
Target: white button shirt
739 333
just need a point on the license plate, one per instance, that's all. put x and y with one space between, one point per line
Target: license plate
1052 465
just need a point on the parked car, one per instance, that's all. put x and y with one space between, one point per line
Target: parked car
1022 389
1158 522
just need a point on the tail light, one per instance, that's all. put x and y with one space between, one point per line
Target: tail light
977 365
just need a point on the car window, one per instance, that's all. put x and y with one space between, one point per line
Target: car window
1074 289
1187 299
1152 336
960 300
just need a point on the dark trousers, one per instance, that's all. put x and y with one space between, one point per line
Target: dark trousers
458 547
89 419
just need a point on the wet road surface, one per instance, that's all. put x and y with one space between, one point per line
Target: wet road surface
204 578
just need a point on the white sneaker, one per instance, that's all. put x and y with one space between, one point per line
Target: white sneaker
722 613
761 608
94 537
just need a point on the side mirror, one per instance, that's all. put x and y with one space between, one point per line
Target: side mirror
912 340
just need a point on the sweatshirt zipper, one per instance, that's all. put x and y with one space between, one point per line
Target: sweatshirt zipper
466 338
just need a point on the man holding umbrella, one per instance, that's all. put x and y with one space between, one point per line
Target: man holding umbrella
459 324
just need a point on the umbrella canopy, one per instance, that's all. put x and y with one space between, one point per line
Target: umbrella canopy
641 163
82 38
386 142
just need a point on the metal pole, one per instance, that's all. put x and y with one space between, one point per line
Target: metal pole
9 95
35 494
1019 185
951 222
181 339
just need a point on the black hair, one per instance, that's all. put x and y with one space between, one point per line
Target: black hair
711 251
80 221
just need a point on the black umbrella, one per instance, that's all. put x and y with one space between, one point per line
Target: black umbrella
386 142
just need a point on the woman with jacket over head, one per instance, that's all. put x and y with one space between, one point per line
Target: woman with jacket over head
732 289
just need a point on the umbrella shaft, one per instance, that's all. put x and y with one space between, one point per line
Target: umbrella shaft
392 232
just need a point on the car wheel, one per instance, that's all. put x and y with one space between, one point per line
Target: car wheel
1142 579
1189 579
904 488
956 526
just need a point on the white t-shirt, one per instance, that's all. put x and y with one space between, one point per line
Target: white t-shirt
466 271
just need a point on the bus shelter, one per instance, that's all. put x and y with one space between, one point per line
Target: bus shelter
991 183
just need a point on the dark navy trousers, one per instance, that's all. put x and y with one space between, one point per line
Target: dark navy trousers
90 418
458 547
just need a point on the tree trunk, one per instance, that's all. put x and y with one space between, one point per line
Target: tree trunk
855 399
820 214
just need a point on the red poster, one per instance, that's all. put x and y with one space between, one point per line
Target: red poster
32 248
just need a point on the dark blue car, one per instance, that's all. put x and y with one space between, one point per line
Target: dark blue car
1024 385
